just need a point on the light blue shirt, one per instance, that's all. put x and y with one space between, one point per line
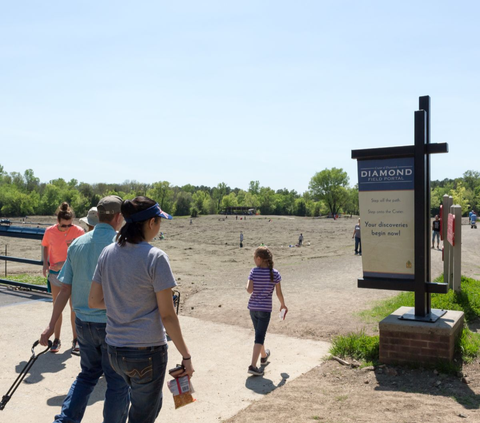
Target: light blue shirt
78 270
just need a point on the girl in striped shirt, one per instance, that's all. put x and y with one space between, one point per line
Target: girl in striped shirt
262 281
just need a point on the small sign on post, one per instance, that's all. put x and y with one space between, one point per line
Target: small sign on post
451 229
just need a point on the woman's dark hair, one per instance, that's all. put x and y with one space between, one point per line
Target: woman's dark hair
265 254
65 212
133 232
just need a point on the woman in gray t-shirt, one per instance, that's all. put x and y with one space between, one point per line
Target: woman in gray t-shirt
133 281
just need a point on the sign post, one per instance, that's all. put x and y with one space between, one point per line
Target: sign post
395 208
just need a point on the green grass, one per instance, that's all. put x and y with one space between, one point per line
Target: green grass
356 345
468 301
468 345
26 278
366 348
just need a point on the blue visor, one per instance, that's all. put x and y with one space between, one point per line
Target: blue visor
148 214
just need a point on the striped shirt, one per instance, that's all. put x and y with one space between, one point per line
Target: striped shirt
261 298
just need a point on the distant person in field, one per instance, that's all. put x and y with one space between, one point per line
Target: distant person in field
241 239
436 232
263 280
300 240
91 219
55 243
358 240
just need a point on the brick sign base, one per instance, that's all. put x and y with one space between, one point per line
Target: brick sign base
407 341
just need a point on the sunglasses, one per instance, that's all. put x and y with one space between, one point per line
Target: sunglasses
66 226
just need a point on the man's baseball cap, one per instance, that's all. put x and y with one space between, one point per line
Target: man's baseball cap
110 205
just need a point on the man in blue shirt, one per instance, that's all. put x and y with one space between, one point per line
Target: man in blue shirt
76 277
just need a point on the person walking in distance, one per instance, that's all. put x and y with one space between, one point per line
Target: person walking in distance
262 281
241 239
76 277
358 240
436 232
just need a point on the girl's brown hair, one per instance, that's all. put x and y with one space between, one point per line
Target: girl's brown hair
64 211
265 254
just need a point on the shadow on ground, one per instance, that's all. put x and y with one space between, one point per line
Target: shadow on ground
427 382
261 385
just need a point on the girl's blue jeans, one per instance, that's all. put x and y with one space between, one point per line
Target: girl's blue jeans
260 320
144 371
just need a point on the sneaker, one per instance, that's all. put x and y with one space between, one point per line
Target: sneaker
56 346
75 347
255 371
264 360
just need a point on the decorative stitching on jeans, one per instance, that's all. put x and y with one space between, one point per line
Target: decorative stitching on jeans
140 373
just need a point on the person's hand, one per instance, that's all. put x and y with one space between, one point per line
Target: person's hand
188 368
284 307
46 334
45 269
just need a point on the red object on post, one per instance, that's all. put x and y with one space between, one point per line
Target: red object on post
441 221
451 229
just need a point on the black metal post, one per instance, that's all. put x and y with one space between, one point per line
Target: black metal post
421 306
424 104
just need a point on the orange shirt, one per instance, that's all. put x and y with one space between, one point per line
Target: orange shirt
58 242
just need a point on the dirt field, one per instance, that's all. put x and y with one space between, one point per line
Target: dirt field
319 283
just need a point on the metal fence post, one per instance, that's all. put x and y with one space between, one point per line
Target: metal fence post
447 203
456 210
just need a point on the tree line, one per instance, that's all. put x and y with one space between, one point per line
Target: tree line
329 193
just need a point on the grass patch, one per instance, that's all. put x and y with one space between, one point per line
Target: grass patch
356 345
26 278
468 345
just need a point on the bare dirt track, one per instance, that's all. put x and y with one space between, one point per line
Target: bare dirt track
320 287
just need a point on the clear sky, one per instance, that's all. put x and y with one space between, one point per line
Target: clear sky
204 92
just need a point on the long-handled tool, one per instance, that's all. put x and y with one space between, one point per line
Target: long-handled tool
23 373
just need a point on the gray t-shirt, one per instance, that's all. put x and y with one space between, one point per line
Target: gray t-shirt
130 276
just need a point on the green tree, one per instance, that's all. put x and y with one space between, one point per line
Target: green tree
330 185
220 191
300 207
15 203
31 181
471 179
229 200
183 204
460 198
266 198
351 204
210 206
162 193
199 199
254 187
51 199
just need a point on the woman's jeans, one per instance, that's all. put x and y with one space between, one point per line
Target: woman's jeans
144 371
260 320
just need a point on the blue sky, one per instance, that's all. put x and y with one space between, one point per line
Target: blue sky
218 91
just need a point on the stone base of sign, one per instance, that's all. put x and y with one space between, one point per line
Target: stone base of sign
407 341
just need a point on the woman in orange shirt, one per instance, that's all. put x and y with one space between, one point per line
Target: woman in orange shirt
55 243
